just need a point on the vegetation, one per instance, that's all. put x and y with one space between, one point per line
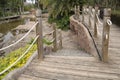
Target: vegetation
60 10
11 7
13 56
47 42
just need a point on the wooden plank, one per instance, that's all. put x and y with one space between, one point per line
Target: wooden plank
79 67
76 73
84 63
72 58
27 77
57 76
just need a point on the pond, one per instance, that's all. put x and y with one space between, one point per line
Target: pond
7 27
6 30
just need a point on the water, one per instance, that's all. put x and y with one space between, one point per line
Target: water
7 27
6 30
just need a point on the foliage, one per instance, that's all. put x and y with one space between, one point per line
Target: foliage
61 7
28 7
13 56
31 41
11 6
47 42
60 10
63 22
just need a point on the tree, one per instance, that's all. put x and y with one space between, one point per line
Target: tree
61 7
11 7
3 4
60 10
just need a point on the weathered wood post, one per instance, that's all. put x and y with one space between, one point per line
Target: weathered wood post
1 44
90 11
39 32
75 11
60 39
83 14
78 13
54 37
95 25
106 31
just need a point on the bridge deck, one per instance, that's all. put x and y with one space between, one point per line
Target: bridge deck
64 65
114 42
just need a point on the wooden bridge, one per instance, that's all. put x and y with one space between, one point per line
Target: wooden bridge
72 63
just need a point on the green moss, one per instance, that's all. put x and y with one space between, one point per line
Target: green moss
13 56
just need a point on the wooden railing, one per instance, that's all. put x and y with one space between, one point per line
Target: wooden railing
38 38
57 42
10 66
93 16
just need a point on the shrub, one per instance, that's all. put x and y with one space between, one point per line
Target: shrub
62 22
12 57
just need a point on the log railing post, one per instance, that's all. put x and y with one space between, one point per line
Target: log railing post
1 44
60 39
78 13
75 11
90 11
106 31
95 25
39 32
83 14
55 38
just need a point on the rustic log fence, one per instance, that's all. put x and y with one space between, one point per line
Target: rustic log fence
93 18
106 31
55 37
38 38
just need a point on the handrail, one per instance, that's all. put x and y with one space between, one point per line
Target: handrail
48 33
99 19
91 14
2 72
20 38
